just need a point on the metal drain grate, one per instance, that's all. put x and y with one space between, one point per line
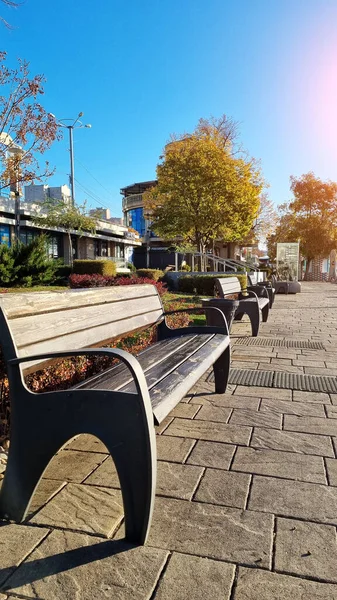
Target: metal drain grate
252 341
279 379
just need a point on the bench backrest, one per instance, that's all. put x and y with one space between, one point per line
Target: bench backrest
43 322
227 285
252 278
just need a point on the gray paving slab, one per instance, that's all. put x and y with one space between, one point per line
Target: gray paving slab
306 549
301 409
320 397
230 401
223 487
317 425
214 413
71 566
73 466
87 443
212 454
195 578
253 418
289 465
263 392
258 584
283 497
203 430
16 543
83 508
212 531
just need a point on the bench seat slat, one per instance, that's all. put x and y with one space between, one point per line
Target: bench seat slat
118 376
168 393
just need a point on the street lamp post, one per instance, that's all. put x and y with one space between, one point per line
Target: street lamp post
75 124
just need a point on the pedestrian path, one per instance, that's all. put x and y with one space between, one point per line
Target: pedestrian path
246 505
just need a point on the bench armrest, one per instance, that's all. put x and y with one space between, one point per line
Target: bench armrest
250 293
260 290
128 359
164 329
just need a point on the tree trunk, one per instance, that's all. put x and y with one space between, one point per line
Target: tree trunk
307 268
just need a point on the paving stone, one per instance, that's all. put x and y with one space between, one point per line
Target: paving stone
214 413
331 465
306 549
254 418
70 565
244 364
105 476
87 443
174 480
177 481
194 578
280 361
73 466
223 487
212 454
231 401
16 542
282 368
287 498
288 465
186 411
311 397
310 425
301 409
173 449
333 398
256 584
306 362
217 432
163 425
263 392
46 489
331 411
213 531
83 508
320 371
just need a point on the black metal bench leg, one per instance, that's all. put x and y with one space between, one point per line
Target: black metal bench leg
27 461
254 316
221 371
265 313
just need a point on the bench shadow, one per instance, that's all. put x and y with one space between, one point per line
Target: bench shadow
40 568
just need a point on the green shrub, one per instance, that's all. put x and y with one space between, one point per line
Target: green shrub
131 266
107 268
154 274
62 274
204 284
27 265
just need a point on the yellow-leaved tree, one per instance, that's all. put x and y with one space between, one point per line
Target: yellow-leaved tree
205 191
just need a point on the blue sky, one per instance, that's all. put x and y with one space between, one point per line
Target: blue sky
141 70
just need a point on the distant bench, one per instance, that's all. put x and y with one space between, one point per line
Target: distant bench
253 283
119 406
251 304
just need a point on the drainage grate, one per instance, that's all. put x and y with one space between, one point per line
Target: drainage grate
279 379
257 341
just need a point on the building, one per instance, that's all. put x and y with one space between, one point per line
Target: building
155 252
42 193
111 241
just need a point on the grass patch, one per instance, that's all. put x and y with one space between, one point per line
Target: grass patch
37 288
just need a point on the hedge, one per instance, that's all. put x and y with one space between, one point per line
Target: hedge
204 284
96 280
154 274
89 267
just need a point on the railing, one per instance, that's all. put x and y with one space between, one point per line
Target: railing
219 264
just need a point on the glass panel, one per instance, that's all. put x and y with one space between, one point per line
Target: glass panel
5 235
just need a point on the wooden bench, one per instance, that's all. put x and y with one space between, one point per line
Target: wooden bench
252 303
253 283
119 406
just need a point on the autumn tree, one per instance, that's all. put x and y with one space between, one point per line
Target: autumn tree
310 217
204 192
26 128
9 4
59 214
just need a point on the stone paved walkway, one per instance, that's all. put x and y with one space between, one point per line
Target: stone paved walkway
246 504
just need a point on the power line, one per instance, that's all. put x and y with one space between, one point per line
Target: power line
93 176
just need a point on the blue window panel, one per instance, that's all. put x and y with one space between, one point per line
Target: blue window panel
136 220
5 235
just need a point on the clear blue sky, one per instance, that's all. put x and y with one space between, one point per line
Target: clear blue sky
141 70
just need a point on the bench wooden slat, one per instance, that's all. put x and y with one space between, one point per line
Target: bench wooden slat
118 376
230 285
32 330
19 305
166 395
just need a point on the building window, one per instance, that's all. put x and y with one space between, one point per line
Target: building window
5 237
135 219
